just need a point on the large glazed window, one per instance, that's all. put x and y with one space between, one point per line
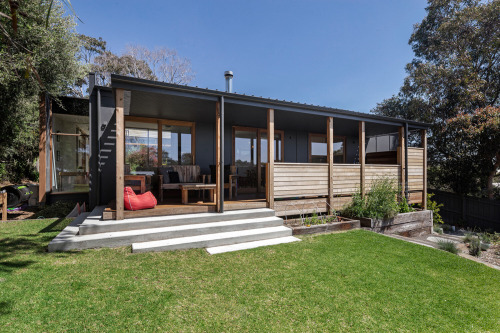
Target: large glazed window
142 136
141 145
176 145
70 153
318 149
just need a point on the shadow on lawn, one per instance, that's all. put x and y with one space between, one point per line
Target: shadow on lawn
52 227
34 245
5 308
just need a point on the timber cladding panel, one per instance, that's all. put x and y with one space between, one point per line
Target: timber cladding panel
415 174
346 179
300 180
377 171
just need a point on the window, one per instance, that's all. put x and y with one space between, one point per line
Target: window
142 136
70 153
141 145
176 145
318 148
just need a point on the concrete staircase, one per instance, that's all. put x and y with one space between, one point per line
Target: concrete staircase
229 231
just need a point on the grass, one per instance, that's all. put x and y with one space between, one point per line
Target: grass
352 281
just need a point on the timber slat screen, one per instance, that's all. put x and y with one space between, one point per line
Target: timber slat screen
376 171
300 179
302 188
415 174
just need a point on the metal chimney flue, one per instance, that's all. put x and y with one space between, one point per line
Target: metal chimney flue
229 81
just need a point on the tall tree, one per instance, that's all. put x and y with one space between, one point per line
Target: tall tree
473 157
456 70
160 64
37 54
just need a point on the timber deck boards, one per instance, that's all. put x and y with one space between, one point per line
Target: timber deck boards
175 207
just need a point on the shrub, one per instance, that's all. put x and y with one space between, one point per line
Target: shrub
380 202
438 229
475 247
404 207
468 237
447 246
435 207
486 238
357 206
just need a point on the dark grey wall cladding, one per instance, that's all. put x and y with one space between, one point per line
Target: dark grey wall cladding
94 150
107 140
205 146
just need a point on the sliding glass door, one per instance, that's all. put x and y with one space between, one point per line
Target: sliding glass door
250 156
245 158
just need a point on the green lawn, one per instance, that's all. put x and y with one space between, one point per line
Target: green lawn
353 281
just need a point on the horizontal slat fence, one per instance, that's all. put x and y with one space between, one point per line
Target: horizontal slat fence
415 174
300 180
345 178
301 188
377 171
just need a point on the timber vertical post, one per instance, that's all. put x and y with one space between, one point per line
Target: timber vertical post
424 176
407 196
401 159
221 172
120 149
362 157
329 139
270 158
217 157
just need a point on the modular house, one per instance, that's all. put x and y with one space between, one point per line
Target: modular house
216 147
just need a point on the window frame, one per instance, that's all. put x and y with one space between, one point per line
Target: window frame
169 122
312 135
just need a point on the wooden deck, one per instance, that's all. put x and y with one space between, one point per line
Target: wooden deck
175 207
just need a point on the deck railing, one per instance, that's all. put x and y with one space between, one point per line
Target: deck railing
306 185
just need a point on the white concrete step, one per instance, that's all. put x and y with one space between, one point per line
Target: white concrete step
96 226
212 240
251 245
125 238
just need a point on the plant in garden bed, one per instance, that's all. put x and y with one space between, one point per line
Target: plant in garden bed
379 203
316 219
404 207
447 246
475 247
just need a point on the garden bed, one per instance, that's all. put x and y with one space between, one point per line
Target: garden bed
404 224
303 228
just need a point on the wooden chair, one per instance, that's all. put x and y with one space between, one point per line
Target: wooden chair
230 179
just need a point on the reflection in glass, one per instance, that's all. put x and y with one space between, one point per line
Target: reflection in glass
176 145
319 149
70 153
245 150
141 146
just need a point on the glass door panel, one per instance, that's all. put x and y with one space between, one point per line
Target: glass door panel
176 145
245 158
278 144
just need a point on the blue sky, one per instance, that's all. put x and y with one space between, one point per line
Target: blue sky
348 54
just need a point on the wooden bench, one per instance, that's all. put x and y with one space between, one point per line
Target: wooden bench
186 187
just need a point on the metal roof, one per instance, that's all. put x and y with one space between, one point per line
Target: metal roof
130 83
